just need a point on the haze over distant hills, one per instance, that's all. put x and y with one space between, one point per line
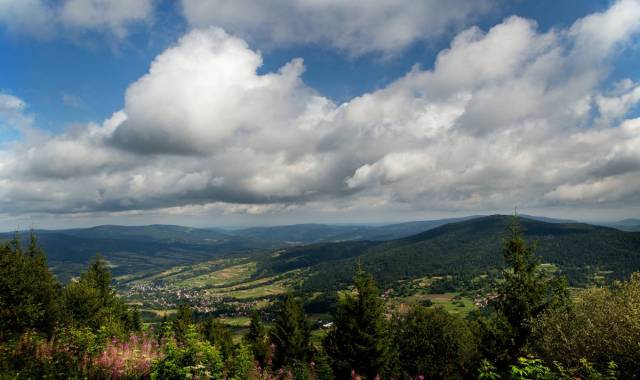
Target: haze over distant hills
625 225
451 244
313 233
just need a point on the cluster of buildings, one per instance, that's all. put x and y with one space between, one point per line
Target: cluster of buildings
483 301
162 297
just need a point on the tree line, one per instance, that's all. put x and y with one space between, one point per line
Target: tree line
535 328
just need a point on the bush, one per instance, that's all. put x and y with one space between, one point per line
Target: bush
130 359
433 343
195 358
602 325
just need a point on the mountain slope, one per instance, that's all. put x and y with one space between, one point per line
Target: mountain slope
468 247
316 233
154 232
631 225
137 249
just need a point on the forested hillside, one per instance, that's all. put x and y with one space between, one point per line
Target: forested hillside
137 249
467 248
531 327
154 248
315 233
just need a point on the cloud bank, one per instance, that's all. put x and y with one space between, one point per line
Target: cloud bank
42 18
357 27
507 116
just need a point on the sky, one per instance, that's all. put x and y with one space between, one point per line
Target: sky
257 112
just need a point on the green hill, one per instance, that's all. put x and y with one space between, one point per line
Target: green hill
154 232
464 247
137 249
632 225
316 233
469 247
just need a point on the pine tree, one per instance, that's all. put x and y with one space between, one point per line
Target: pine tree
290 334
182 322
525 293
243 366
98 276
46 289
220 336
29 293
322 366
134 321
91 301
359 339
257 339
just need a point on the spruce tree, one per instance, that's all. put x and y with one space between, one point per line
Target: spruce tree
98 277
322 366
134 320
257 339
91 301
182 322
525 293
29 293
220 336
290 334
46 288
83 304
359 339
243 366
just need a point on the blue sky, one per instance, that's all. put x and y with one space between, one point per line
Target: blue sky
72 64
92 71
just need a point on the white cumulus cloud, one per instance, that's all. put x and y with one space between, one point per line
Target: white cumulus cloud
42 18
507 116
354 26
13 112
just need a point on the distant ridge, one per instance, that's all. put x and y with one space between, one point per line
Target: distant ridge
472 246
133 249
625 225
314 233
405 249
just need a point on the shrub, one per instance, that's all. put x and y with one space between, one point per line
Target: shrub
194 359
602 325
130 359
433 343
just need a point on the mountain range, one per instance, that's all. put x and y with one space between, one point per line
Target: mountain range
393 251
466 248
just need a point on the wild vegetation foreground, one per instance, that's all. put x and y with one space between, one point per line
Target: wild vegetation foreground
531 327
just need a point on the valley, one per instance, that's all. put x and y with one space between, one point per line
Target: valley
226 274
453 263
450 266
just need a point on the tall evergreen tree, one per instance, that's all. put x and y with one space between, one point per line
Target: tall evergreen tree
290 334
29 293
525 293
220 336
182 321
134 320
98 276
257 339
322 366
359 339
91 301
